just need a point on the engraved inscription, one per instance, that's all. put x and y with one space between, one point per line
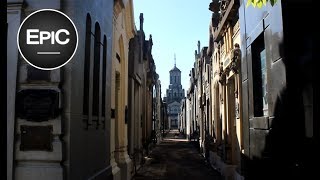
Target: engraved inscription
36 138
37 104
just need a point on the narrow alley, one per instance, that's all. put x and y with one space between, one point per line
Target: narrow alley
149 89
176 158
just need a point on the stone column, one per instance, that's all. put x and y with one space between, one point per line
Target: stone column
121 141
113 163
132 107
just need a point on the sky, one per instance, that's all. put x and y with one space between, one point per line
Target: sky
175 26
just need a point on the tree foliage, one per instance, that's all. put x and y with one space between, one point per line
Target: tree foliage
260 3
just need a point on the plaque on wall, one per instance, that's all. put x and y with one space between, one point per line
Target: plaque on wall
36 138
37 104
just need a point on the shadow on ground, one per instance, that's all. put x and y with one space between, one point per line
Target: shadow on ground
175 158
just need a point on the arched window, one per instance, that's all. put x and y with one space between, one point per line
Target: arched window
96 70
86 67
104 75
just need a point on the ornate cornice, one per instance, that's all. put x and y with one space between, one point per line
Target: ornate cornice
16 4
223 11
214 6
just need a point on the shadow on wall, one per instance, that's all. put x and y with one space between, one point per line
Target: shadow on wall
289 146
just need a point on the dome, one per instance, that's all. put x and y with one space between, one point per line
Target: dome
175 69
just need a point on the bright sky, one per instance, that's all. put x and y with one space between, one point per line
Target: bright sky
176 26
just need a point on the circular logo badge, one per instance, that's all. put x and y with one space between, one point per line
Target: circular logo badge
47 39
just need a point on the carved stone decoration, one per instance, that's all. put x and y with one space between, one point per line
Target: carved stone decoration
221 98
227 71
214 6
233 67
235 59
223 6
222 75
237 110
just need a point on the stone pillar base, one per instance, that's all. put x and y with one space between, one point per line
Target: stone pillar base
226 170
126 168
115 171
238 176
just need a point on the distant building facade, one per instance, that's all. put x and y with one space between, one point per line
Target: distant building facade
175 93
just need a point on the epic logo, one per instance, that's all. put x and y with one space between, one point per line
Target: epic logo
47 39
45 35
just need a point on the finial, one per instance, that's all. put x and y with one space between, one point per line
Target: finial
175 60
141 21
150 40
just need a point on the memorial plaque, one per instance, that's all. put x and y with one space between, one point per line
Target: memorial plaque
36 138
37 104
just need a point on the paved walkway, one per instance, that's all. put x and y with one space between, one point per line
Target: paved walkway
176 158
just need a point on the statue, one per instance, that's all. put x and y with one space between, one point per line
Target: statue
223 6
222 75
214 6
235 58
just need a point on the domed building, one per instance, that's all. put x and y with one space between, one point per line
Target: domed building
174 95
